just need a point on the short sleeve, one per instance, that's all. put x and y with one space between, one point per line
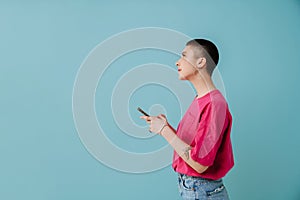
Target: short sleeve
209 133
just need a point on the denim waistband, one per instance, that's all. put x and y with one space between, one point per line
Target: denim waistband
183 176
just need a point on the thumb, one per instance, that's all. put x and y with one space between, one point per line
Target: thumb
145 117
162 116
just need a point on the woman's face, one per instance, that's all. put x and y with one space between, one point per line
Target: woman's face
187 64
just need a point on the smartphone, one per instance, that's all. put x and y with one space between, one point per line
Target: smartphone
143 112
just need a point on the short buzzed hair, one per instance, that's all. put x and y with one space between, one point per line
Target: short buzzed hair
207 49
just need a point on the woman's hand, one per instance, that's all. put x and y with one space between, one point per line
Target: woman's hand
156 123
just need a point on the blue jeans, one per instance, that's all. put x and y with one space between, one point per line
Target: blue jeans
196 188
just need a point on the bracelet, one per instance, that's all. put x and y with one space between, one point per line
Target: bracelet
159 132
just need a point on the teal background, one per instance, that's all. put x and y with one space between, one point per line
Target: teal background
43 43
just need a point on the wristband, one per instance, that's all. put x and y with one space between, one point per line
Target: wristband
159 132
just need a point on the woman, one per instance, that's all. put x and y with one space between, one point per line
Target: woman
202 147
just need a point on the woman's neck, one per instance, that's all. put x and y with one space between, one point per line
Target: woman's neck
203 84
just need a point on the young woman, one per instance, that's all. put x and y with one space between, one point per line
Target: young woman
202 147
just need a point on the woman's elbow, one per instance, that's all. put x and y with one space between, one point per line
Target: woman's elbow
201 169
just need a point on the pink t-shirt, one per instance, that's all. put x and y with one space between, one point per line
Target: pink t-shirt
206 127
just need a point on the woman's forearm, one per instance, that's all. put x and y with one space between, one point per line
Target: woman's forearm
181 148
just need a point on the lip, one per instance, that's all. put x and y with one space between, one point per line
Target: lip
179 70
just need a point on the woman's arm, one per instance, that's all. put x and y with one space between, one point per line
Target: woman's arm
182 149
160 125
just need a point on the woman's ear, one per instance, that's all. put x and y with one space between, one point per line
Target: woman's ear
201 62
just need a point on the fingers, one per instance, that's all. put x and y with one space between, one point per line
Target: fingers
163 116
146 118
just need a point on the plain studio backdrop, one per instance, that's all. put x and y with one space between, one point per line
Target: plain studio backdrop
43 44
